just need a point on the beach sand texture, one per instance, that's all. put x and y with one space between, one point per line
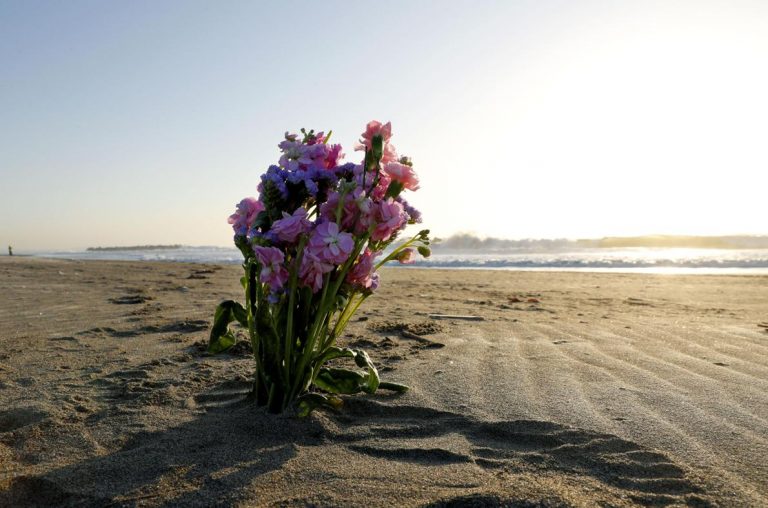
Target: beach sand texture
576 389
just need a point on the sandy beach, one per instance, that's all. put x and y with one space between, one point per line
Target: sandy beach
571 389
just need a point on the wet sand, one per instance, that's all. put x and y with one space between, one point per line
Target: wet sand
574 389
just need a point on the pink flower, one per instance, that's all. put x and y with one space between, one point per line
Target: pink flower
389 216
245 215
377 192
272 270
381 187
290 227
362 209
329 244
362 274
300 156
355 212
312 270
332 156
376 128
402 173
407 256
315 139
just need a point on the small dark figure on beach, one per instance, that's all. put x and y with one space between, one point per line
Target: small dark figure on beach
10 251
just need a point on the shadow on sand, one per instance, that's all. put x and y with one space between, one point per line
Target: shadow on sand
217 457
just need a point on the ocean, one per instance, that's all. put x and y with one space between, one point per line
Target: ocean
631 260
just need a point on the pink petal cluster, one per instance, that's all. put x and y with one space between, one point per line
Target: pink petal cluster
389 217
332 157
355 212
245 215
380 190
329 244
402 173
362 273
298 155
290 227
376 128
366 181
312 270
272 272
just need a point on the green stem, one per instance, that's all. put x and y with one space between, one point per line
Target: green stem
344 317
393 255
249 297
289 340
323 313
344 312
311 338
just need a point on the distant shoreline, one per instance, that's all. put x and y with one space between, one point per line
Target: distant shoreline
470 242
134 247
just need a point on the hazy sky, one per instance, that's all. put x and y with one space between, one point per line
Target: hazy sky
146 122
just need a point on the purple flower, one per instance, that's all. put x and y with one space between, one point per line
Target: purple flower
331 245
298 155
272 270
290 227
414 216
274 178
346 171
295 154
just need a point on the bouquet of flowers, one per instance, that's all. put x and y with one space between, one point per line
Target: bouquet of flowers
312 244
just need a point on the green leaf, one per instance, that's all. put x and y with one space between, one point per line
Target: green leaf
377 147
335 352
341 301
221 343
372 380
394 189
340 380
221 337
311 401
395 387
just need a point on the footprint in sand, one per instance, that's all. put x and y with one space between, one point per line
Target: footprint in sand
188 326
130 299
13 419
645 476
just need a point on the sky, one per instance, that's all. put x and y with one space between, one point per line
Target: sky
144 122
